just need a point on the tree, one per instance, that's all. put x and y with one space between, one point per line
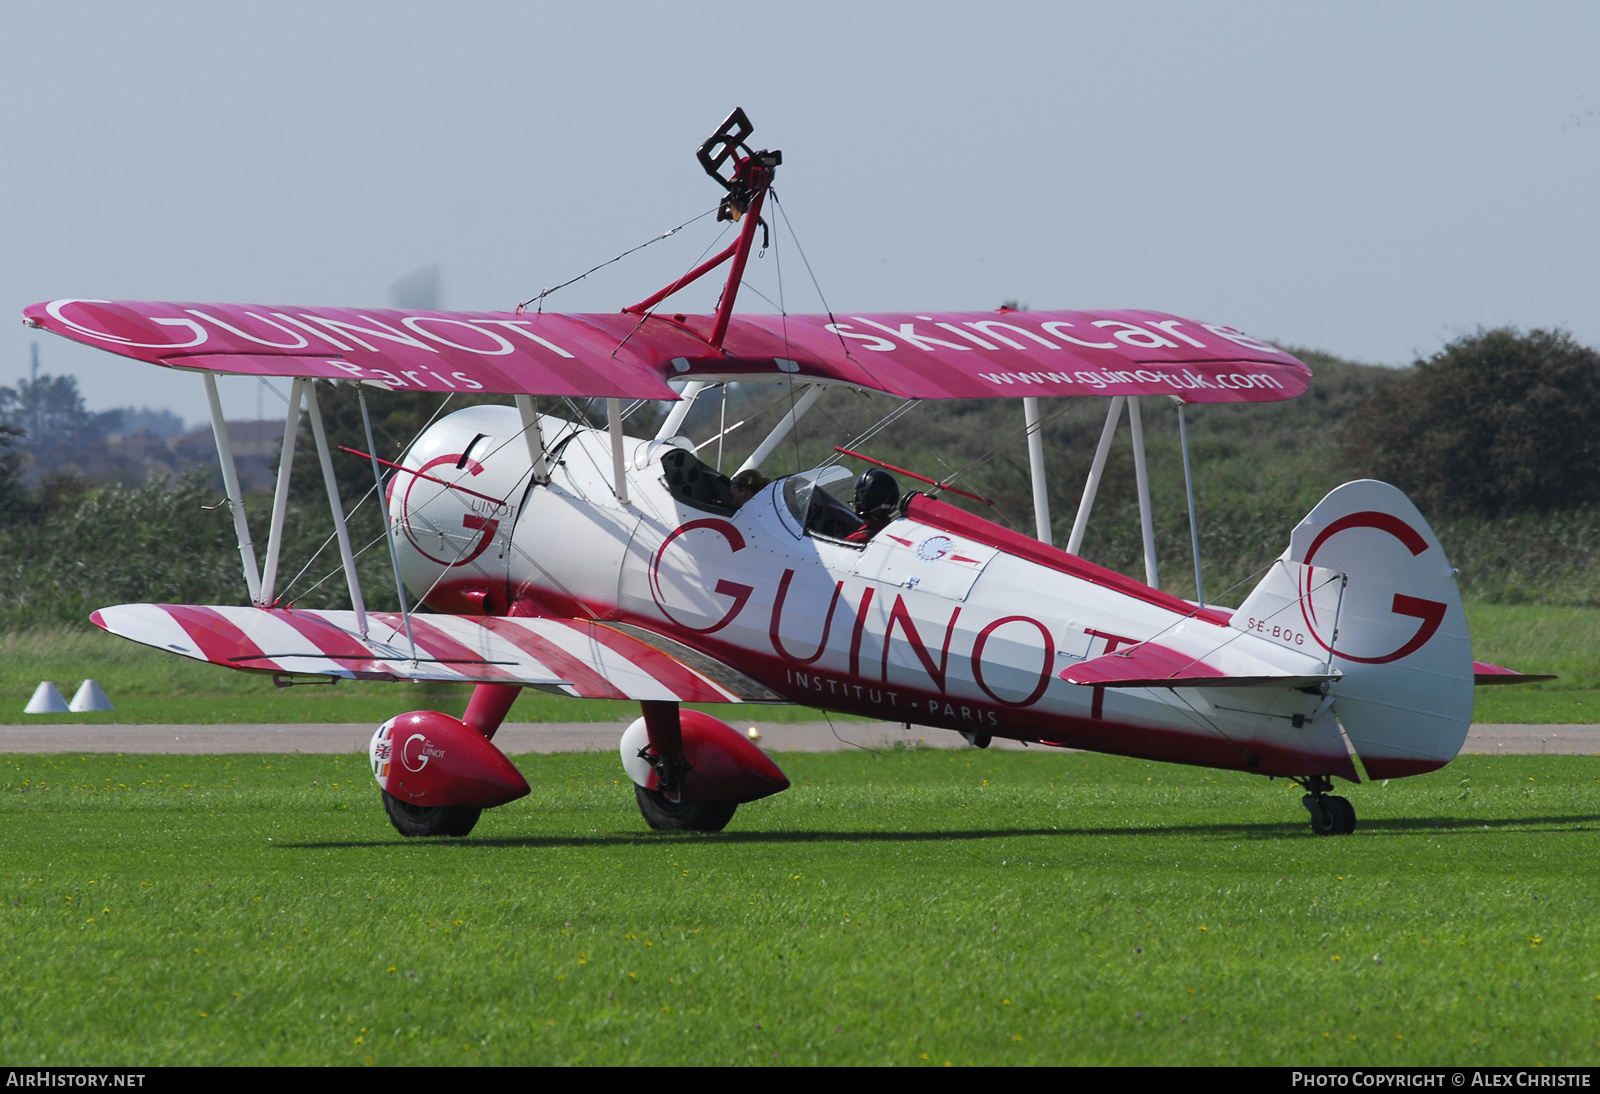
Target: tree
1495 423
14 500
50 411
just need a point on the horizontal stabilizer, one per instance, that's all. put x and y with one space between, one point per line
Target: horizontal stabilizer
1154 665
1484 674
577 657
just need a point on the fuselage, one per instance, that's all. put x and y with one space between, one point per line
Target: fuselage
941 620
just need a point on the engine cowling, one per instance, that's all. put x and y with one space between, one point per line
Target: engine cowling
724 766
454 505
431 759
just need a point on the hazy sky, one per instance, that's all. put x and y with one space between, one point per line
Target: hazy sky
1373 180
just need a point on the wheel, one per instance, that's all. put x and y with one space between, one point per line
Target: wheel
429 820
1342 812
665 816
1323 820
1330 815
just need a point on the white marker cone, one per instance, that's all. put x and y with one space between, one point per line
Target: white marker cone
46 700
90 697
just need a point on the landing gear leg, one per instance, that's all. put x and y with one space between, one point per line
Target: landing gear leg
665 753
1331 815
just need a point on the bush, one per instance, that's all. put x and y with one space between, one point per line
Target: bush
90 545
1495 423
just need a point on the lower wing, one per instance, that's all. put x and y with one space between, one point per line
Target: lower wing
578 657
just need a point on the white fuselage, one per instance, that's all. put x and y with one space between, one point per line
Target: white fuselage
921 625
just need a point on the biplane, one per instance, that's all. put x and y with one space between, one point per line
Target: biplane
532 550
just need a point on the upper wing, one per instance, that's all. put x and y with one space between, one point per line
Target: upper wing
576 657
957 355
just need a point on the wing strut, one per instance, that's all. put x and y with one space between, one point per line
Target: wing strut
1080 523
781 430
388 530
1188 486
535 438
280 497
1141 476
336 507
1041 492
680 409
614 422
230 482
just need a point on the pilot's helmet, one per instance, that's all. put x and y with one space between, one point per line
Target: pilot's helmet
877 494
751 479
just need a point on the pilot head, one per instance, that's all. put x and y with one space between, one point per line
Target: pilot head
877 494
747 484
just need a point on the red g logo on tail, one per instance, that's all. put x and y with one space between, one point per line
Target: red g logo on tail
1430 613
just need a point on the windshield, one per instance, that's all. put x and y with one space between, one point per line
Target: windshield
813 507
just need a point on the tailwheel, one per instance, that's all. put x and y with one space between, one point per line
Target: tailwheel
1331 815
1343 812
682 816
429 820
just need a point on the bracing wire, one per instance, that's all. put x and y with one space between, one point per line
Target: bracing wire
1012 438
815 283
357 507
645 317
539 297
878 427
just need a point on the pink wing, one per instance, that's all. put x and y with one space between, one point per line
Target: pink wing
575 657
957 355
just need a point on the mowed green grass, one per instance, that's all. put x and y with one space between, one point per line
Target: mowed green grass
148 686
910 907
1537 639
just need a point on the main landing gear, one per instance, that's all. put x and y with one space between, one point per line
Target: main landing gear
666 807
690 771
1331 815
429 820
665 815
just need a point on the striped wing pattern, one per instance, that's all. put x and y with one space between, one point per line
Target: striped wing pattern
576 657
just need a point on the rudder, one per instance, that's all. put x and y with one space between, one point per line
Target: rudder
1367 583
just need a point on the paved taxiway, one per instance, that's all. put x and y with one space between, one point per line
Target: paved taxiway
515 738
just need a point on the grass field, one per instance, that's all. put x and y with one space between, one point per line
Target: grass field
149 686
1535 638
910 907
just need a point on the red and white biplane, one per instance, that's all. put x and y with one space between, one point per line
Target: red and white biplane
587 562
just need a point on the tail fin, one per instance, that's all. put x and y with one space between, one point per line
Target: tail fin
1366 583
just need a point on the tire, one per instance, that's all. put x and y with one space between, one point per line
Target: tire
1324 821
1343 814
429 820
665 816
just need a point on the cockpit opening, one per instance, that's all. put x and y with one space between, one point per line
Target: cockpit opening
696 483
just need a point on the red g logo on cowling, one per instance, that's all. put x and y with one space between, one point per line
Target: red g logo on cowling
1430 613
419 754
472 522
740 593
